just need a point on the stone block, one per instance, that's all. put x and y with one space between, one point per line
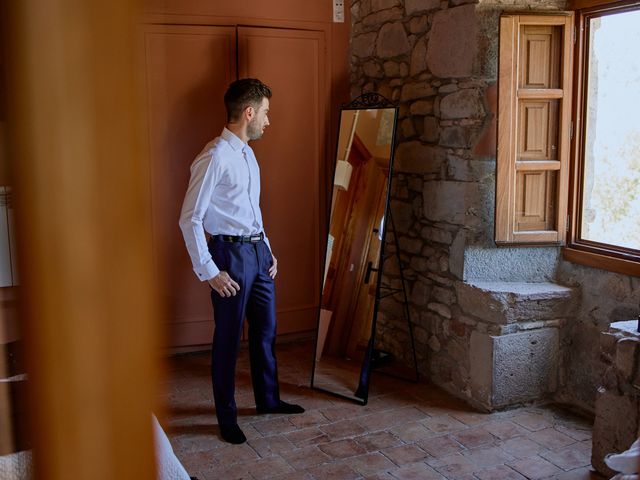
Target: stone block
462 104
440 308
456 254
419 57
377 5
363 45
410 245
384 16
414 6
513 368
419 264
525 366
419 25
392 41
615 427
447 201
436 235
448 88
627 357
453 42
486 144
391 69
373 69
431 131
407 128
414 157
481 366
402 216
434 343
457 136
422 107
415 184
420 293
511 302
412 91
444 295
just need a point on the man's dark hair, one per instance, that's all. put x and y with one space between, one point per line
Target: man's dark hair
243 93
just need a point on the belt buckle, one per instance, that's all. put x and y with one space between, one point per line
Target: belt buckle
254 238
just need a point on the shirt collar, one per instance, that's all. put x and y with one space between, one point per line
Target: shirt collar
232 139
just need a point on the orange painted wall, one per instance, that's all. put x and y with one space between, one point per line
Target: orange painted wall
309 14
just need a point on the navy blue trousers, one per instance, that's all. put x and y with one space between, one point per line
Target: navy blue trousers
248 264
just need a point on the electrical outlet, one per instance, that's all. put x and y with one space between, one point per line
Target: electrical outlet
338 11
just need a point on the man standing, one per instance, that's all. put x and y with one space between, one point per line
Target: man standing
223 200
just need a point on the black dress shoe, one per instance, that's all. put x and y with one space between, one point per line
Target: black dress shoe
282 407
232 434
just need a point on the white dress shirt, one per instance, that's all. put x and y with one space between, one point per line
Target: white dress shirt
223 198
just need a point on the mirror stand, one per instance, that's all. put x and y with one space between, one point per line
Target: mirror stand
379 358
345 353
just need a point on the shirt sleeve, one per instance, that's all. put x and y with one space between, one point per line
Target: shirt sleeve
204 176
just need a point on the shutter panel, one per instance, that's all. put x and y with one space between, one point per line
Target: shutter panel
533 128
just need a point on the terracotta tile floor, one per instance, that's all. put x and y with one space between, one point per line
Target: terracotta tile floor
406 431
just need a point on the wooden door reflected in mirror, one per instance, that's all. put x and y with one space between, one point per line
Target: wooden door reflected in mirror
355 244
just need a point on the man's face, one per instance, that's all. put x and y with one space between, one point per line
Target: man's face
260 120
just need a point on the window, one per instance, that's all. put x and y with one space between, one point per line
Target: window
605 208
533 128
568 162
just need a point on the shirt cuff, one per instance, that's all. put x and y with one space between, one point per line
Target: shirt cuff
207 271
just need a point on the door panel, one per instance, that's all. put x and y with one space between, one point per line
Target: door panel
188 69
290 155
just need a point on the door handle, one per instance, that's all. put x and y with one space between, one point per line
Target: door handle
370 269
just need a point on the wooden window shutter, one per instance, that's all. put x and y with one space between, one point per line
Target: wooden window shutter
534 121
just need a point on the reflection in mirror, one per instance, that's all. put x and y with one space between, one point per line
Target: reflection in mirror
356 232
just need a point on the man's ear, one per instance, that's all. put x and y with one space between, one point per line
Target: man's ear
249 112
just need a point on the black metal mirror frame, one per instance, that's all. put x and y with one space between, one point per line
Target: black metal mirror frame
366 101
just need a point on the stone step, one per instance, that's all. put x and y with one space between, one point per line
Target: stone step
511 302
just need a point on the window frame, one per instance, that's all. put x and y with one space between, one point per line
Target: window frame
578 250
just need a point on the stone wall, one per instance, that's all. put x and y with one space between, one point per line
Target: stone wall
438 60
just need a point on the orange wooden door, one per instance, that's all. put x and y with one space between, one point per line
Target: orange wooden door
291 157
188 69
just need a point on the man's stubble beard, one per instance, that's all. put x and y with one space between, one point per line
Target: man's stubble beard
254 132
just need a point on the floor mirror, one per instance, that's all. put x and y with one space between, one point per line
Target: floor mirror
354 247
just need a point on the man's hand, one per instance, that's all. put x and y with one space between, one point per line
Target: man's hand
224 285
273 270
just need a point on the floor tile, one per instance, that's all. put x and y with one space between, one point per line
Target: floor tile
443 423
531 421
569 458
306 457
501 472
440 446
535 468
342 448
551 438
474 437
405 454
334 471
372 442
505 429
417 471
371 463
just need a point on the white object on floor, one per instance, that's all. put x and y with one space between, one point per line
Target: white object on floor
16 466
627 462
169 467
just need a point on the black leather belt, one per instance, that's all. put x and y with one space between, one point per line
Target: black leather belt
240 238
